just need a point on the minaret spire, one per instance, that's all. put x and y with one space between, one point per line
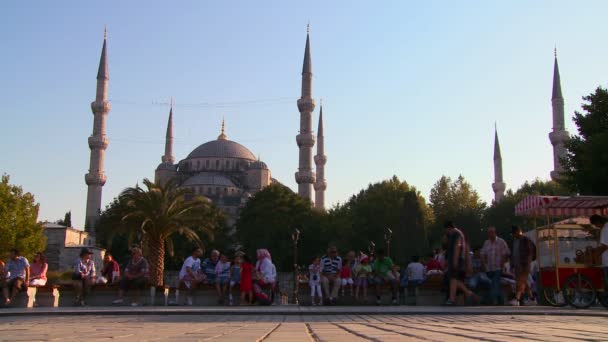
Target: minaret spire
320 161
498 186
305 177
222 135
168 156
98 142
559 135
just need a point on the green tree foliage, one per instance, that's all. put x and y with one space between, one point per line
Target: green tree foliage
586 163
390 204
456 201
268 220
19 227
67 219
154 215
502 215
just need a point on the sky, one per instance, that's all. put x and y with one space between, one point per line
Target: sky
411 89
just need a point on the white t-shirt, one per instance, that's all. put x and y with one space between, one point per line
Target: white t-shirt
415 271
604 241
194 264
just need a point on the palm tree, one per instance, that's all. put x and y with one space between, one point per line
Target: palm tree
161 210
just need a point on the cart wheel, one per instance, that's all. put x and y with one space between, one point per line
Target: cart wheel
554 297
579 291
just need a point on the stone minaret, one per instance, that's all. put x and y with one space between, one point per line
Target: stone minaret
559 135
498 186
98 143
305 177
320 161
166 170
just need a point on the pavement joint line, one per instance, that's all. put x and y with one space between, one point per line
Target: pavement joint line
313 336
267 334
402 333
356 333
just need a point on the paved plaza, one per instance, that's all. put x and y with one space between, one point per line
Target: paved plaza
274 325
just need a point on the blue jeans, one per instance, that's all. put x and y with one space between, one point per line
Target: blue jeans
496 287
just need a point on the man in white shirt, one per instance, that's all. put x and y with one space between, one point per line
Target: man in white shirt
602 222
415 272
190 275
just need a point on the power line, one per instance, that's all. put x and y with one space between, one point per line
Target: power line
219 104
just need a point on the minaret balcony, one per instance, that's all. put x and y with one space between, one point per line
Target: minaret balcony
320 159
306 105
305 177
559 137
95 178
320 185
98 142
305 140
499 187
102 107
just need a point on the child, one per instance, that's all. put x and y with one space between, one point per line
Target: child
235 277
346 277
362 271
315 280
246 280
222 271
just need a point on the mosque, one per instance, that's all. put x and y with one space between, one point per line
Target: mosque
222 170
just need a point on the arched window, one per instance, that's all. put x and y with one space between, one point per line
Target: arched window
217 191
227 164
198 164
226 190
207 163
217 164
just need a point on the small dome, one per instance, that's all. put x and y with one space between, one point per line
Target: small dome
258 164
221 148
205 178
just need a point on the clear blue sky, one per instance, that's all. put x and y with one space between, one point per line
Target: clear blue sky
409 88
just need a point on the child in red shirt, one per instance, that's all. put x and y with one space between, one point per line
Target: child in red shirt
246 280
346 277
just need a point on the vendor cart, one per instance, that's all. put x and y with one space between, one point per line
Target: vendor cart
569 264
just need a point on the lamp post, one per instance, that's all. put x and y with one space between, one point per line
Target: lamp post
295 237
371 248
388 234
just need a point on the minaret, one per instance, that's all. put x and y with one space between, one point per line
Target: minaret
98 143
559 135
320 161
168 157
305 177
498 186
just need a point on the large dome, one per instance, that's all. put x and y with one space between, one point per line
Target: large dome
222 148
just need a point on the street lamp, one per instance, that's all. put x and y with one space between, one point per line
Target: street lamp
371 247
388 234
295 237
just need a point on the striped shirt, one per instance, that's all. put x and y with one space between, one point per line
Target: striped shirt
331 265
495 253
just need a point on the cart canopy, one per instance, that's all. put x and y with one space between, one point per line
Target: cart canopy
560 206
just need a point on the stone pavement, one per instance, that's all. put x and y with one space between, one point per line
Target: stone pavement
295 323
328 327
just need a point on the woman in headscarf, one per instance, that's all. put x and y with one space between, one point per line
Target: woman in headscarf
266 275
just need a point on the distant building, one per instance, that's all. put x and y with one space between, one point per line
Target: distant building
64 244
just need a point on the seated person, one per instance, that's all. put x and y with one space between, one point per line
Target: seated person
383 274
110 273
38 270
190 275
135 276
433 265
414 274
83 277
208 267
222 280
478 278
17 274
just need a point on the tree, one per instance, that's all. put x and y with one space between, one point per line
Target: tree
456 201
268 220
392 204
19 227
586 163
67 220
154 214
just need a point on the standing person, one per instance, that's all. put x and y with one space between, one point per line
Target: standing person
456 255
135 276
38 270
331 264
222 280
314 281
362 271
266 276
346 278
522 255
494 254
246 280
83 277
383 274
17 275
190 274
110 273
602 223
235 277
